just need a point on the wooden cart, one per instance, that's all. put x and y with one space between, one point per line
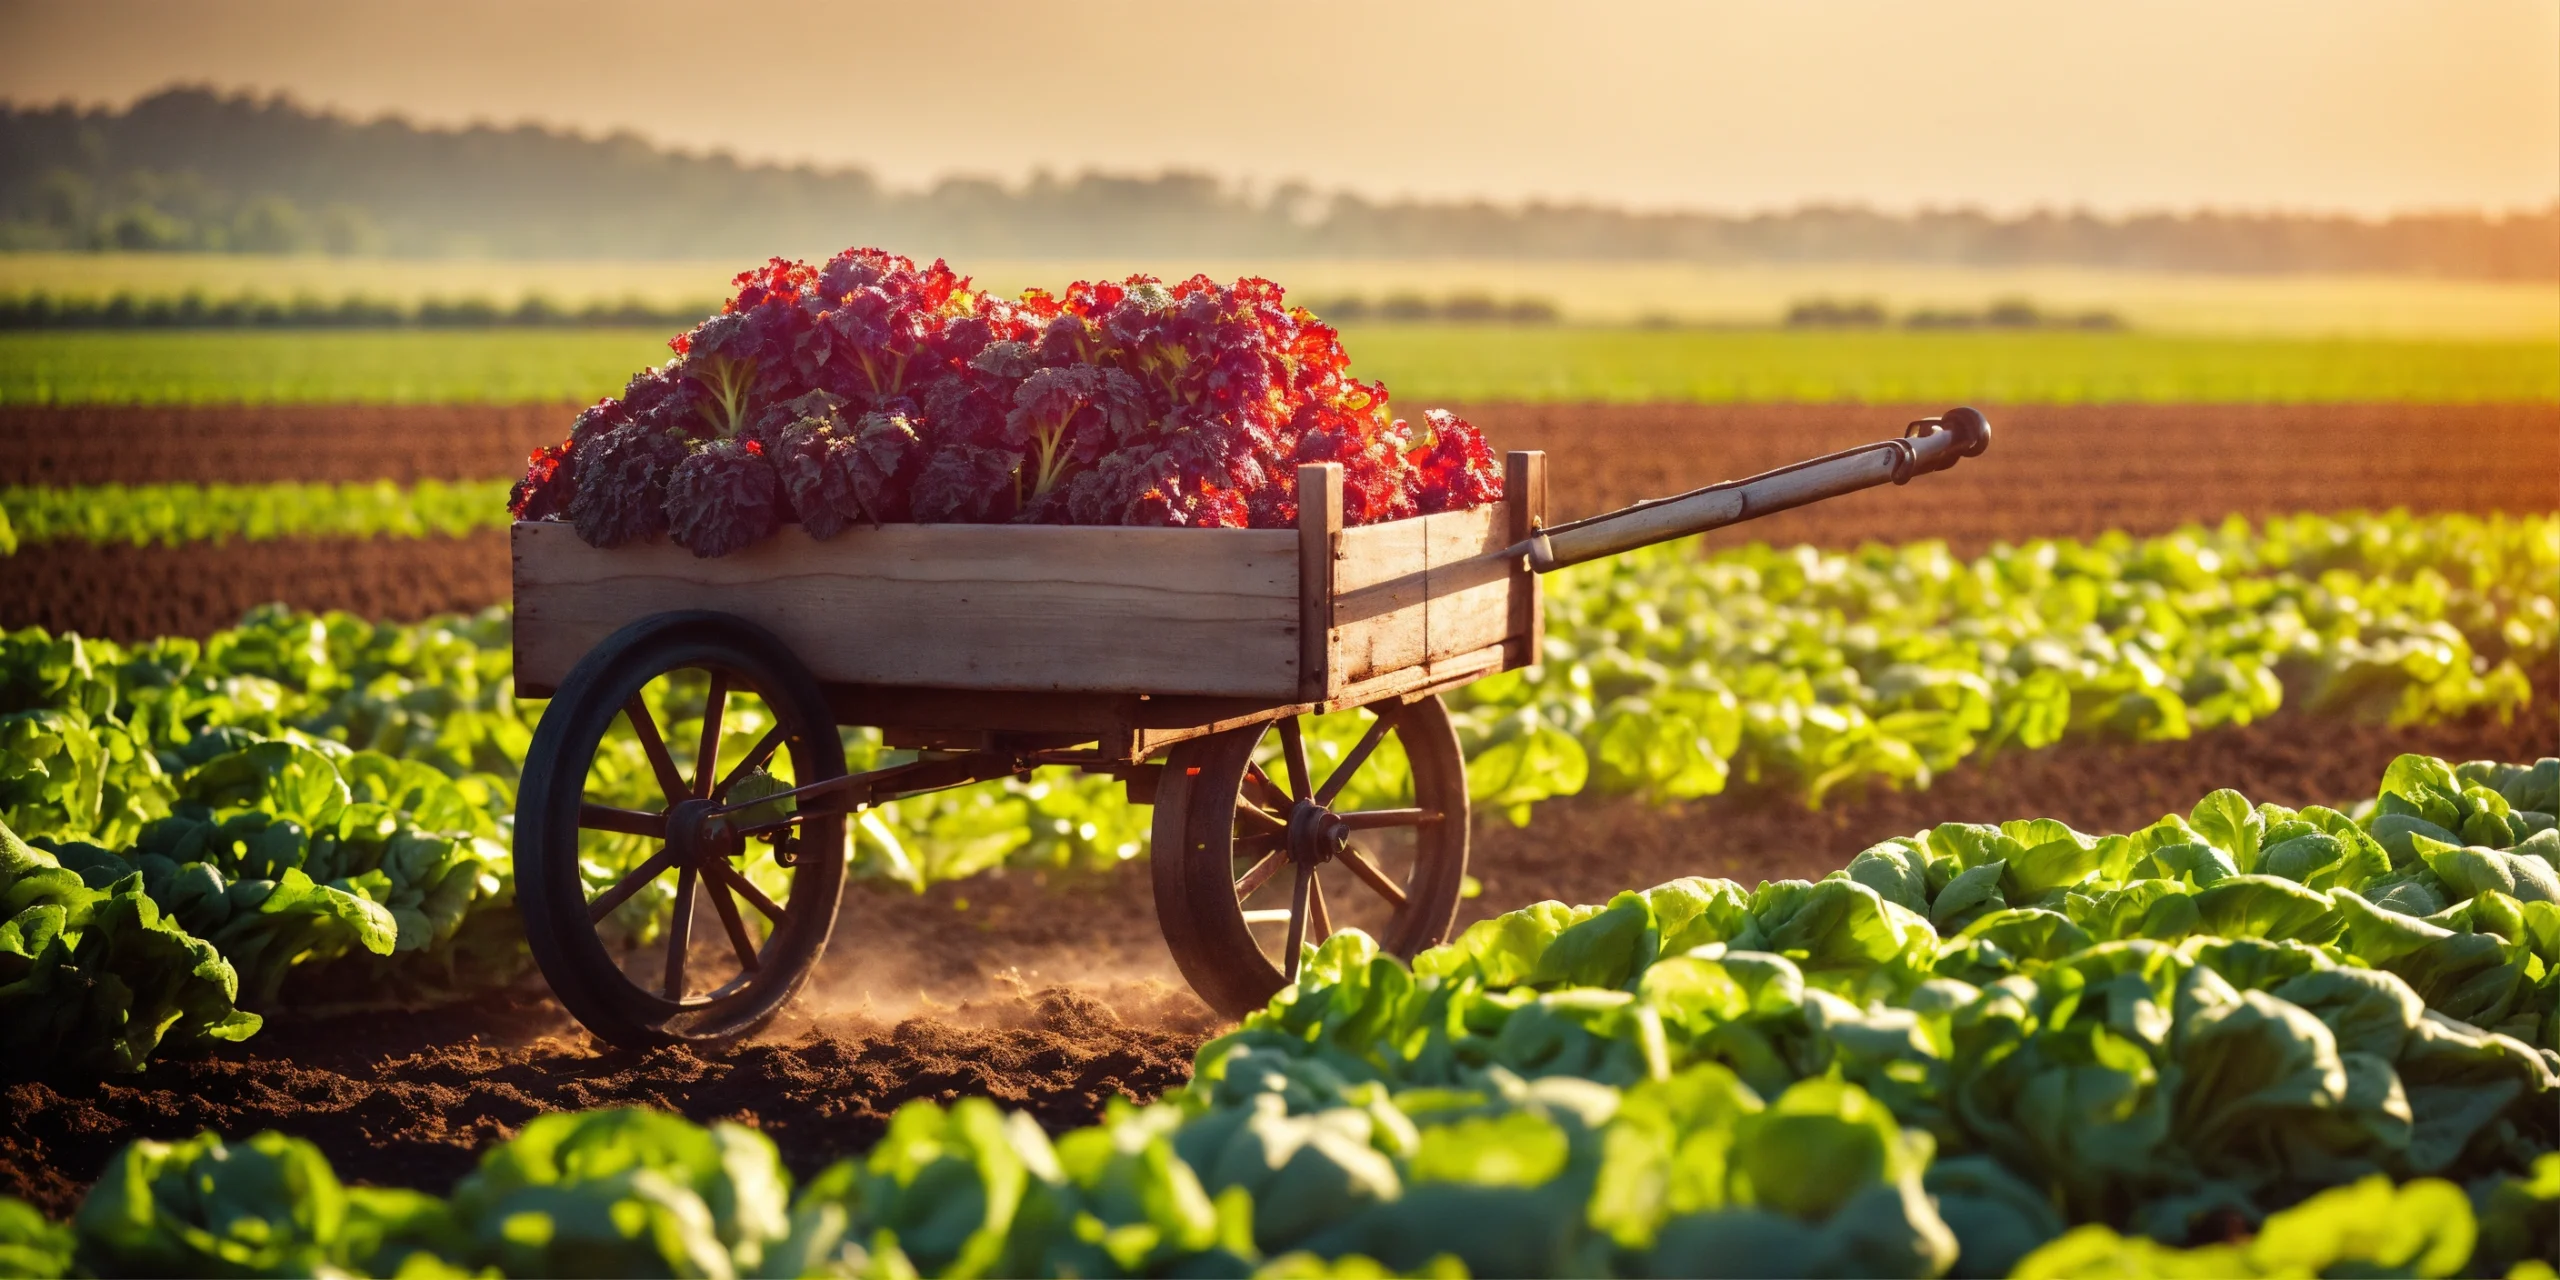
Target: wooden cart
1164 657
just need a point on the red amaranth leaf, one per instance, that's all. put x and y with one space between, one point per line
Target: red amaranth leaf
1456 468
723 497
966 484
621 483
545 490
873 388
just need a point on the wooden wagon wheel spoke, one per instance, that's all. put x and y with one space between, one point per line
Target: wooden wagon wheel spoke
739 884
629 822
1297 921
1293 745
1256 845
1263 800
645 729
727 909
1351 763
755 758
679 934
630 884
1371 874
580 801
706 762
1225 837
1259 874
1249 812
1376 819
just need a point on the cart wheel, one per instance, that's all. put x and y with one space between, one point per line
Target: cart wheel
599 831
1250 825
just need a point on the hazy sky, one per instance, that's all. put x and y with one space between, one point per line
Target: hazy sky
2362 105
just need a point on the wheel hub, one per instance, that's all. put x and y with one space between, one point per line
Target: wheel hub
696 835
1316 836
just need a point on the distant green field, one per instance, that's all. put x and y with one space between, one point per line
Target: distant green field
1770 366
1421 364
322 366
1586 292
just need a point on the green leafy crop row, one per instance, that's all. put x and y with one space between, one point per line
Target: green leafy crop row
1667 673
379 762
2225 1044
172 514
313 811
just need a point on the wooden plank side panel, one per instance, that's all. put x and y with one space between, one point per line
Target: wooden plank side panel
1438 676
1470 604
1413 595
1381 581
1008 607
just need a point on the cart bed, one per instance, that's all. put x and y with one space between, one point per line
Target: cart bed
1247 617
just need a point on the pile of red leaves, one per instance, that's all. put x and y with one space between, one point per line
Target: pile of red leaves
870 390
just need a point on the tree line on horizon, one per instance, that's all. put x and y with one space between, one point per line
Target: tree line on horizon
192 169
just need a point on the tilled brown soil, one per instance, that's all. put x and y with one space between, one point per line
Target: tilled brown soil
411 1100
267 444
2056 470
1054 993
135 593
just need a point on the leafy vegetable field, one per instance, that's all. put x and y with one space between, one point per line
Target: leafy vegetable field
260 878
339 367
1436 363
314 809
2245 1040
169 515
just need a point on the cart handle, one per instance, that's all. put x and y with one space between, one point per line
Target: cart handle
1930 444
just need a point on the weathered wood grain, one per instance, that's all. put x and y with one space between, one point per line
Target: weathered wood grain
1319 543
1380 582
1411 594
1524 487
1010 607
1467 598
931 622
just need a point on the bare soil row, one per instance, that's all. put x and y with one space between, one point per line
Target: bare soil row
136 593
236 444
2057 471
1055 994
